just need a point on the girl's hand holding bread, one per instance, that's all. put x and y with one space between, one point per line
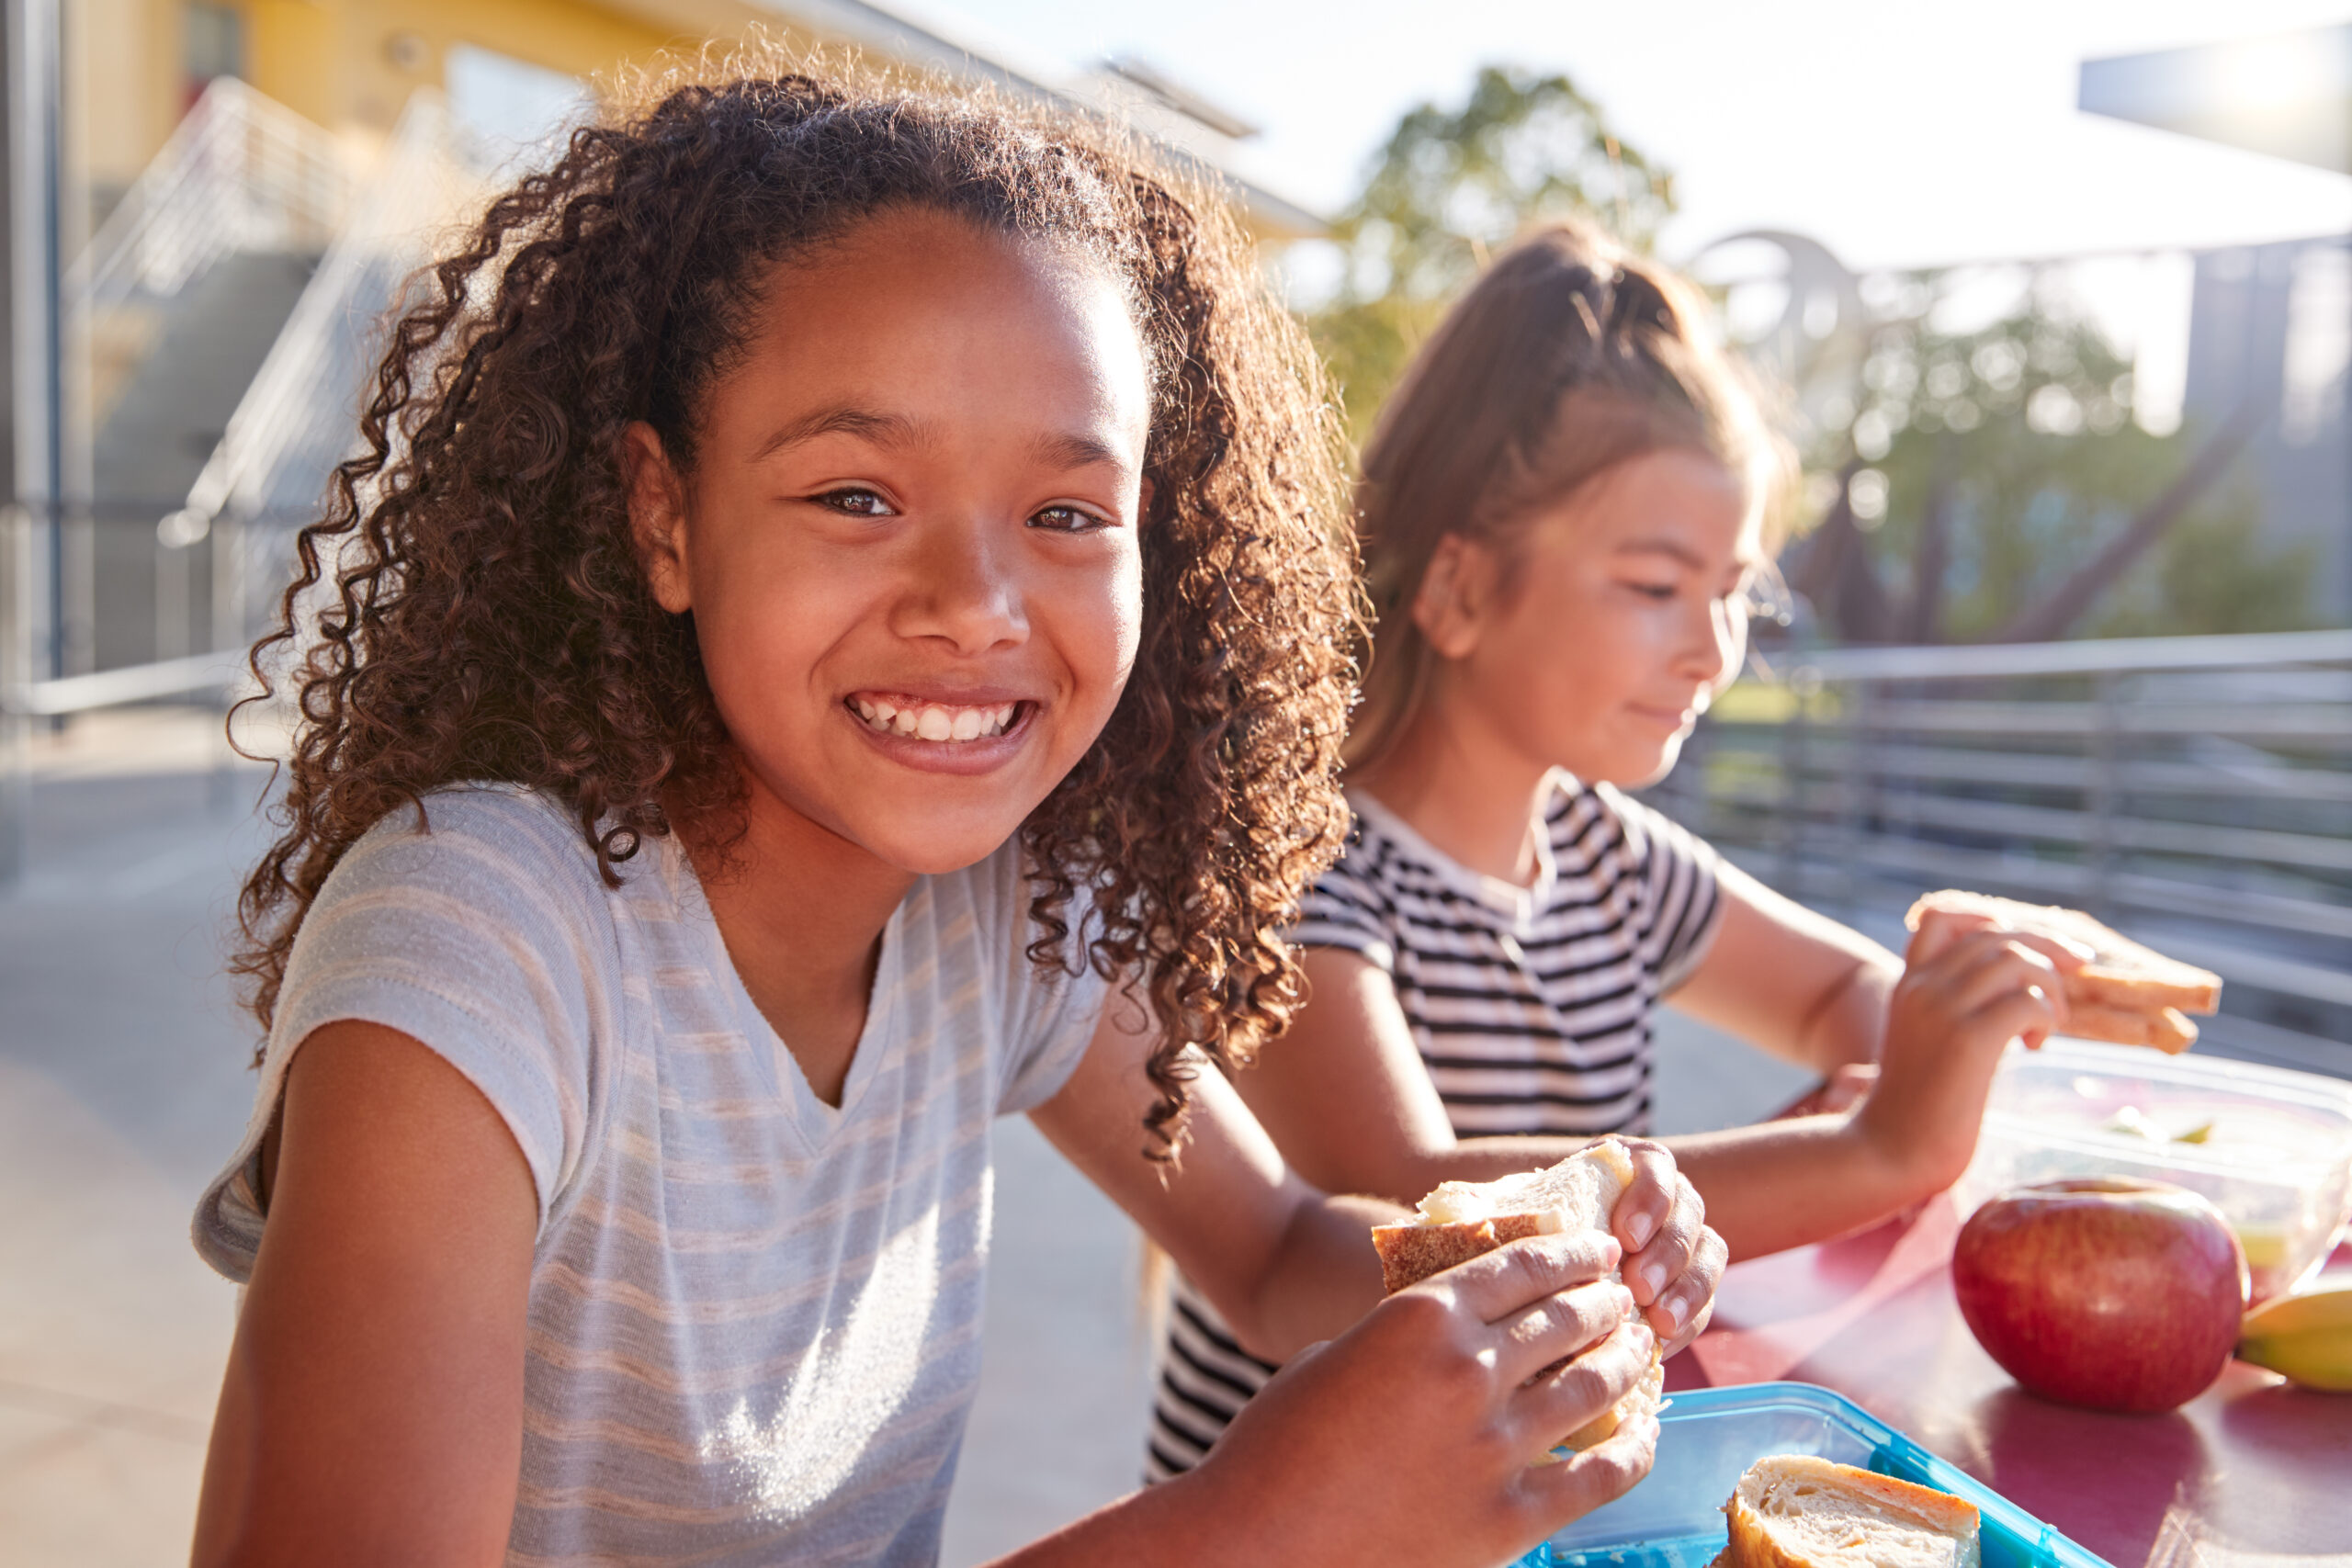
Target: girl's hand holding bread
1673 1261
1419 1435
1968 988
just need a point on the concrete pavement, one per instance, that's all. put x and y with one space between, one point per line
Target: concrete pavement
122 1085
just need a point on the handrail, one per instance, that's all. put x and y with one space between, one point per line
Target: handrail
238 167
1965 661
199 674
2192 790
304 395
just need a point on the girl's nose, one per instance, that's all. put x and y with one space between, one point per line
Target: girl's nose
962 588
1715 649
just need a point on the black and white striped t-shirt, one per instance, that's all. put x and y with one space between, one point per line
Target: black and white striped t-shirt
1531 1006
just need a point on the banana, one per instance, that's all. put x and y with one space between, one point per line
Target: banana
2307 1337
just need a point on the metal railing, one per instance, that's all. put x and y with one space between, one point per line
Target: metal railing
239 173
2196 791
299 416
210 560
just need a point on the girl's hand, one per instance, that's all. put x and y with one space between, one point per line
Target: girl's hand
1969 987
1419 1437
1673 1262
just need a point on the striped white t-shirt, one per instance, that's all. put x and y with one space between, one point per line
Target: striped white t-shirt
754 1318
1531 1007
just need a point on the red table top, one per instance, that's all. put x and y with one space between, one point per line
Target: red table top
2253 1470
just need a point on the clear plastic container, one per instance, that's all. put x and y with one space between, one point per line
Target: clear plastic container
1707 1440
2275 1159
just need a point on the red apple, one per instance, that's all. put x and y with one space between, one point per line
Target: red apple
2109 1292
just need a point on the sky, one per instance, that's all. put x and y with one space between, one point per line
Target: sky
1898 132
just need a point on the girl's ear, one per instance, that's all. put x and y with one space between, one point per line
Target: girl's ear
657 516
1455 597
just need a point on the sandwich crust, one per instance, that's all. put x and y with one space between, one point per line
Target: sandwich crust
1784 1487
2166 1029
1410 1254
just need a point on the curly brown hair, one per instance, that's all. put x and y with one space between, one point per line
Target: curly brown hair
472 607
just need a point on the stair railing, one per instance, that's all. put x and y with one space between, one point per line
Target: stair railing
241 171
299 416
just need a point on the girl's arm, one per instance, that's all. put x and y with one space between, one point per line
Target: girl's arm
372 1410
1794 983
1285 1265
1346 1097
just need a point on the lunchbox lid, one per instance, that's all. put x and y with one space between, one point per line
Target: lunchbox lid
2321 1106
1708 1437
2252 1079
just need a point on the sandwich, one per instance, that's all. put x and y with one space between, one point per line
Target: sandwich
2126 994
1800 1511
1461 1220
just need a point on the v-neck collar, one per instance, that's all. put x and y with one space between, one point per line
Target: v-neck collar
1516 904
815 1123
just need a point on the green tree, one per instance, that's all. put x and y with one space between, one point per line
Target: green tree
1453 184
2212 574
2000 488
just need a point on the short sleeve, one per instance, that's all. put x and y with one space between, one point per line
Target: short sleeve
1345 908
1681 904
1048 1014
484 937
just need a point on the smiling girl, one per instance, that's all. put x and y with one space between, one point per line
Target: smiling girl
834 637
1564 513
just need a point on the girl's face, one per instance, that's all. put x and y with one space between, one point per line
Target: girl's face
1622 616
909 539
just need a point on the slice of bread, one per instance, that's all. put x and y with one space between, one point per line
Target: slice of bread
1461 1220
2126 994
1800 1511
2166 1029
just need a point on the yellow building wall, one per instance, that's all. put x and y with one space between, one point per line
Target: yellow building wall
348 65
122 82
351 65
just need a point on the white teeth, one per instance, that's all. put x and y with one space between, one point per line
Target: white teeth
932 721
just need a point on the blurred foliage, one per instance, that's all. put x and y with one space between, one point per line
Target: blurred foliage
2010 457
2213 574
1454 186
2007 455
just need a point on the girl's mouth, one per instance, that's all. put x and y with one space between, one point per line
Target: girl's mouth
917 719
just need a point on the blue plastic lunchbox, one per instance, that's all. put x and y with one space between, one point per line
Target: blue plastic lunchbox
1708 1438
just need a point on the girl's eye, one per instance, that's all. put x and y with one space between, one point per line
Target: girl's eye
1661 592
857 502
1068 520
